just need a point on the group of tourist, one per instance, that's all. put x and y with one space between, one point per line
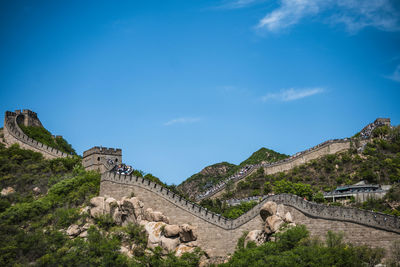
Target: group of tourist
123 169
367 131
243 171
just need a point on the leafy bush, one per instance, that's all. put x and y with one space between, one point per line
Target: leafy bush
294 247
299 189
42 135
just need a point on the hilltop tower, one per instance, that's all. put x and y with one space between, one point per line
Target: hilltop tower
97 158
27 117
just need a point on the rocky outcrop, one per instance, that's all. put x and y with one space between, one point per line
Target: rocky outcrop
268 209
36 190
7 191
172 230
274 216
171 238
257 236
186 233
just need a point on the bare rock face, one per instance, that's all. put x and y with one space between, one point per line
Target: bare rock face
288 217
159 217
154 231
186 233
110 205
273 224
83 234
171 230
131 210
169 244
268 209
280 211
73 230
7 191
126 251
182 248
148 214
98 204
36 190
256 236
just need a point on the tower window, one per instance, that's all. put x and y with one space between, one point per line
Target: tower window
116 160
98 158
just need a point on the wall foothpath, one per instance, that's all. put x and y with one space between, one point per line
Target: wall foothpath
219 235
325 148
14 135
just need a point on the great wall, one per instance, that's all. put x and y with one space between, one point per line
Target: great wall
320 150
14 135
218 235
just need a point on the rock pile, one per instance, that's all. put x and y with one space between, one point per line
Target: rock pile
275 217
170 237
7 191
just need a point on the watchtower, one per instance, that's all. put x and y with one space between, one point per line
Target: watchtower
27 117
97 158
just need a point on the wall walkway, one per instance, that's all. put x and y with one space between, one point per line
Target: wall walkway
218 235
14 135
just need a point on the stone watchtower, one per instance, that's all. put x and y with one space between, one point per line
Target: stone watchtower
97 158
27 117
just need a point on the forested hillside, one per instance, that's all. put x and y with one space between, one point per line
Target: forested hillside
215 173
42 198
45 137
378 163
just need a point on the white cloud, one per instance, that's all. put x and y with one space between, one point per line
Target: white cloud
182 120
353 14
292 94
238 4
396 75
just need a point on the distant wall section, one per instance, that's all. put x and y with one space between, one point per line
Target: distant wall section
14 135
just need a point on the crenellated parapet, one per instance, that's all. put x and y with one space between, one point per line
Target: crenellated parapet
342 214
13 133
101 159
328 147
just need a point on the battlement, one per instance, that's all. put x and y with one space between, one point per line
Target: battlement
362 217
101 158
13 133
103 150
382 121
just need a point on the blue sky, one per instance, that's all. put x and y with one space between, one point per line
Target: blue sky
179 85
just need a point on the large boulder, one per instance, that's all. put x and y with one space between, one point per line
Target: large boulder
132 206
169 244
154 231
7 191
186 233
256 236
110 205
155 216
288 217
73 230
280 211
98 208
36 190
268 209
182 248
159 217
273 224
171 230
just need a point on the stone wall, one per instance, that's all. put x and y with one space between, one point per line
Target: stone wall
327 148
14 135
97 158
218 235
